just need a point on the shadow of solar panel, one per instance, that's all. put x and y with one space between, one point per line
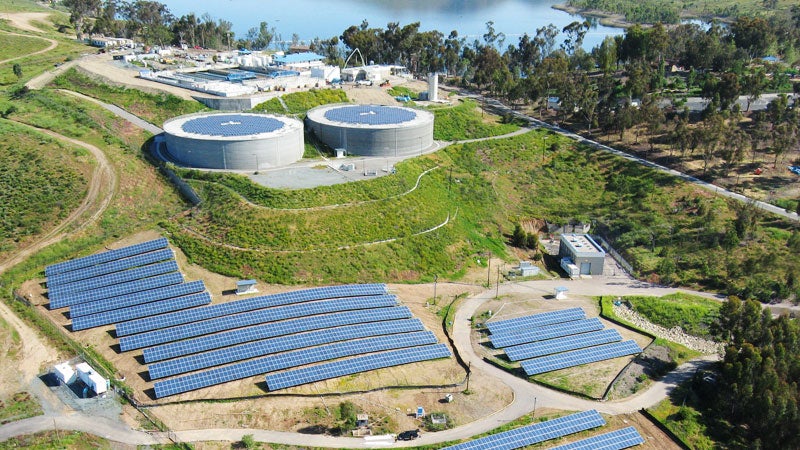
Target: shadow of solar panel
578 357
290 359
99 258
268 330
249 304
280 344
109 267
145 309
118 289
370 115
537 320
615 440
231 125
136 298
517 336
563 344
258 316
113 278
359 364
538 432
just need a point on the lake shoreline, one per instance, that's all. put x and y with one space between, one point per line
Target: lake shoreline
603 17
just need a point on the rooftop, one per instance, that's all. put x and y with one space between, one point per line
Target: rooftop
296 58
582 245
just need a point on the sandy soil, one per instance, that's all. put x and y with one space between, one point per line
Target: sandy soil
25 20
291 408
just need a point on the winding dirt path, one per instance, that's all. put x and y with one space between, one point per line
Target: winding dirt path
53 44
101 190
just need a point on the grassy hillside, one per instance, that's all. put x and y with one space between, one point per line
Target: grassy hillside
298 103
12 46
41 181
671 231
670 11
466 121
155 108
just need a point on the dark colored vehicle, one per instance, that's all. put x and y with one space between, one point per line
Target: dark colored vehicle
408 435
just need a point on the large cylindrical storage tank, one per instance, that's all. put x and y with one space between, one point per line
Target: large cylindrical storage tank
234 141
373 130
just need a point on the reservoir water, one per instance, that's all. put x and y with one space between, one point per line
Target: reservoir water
309 19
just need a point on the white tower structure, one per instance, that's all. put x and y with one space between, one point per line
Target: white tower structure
433 87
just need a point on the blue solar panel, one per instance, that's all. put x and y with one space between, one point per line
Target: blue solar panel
516 336
538 432
265 301
578 357
563 344
252 318
277 362
280 344
109 267
219 340
99 258
615 440
136 298
537 320
230 125
350 366
112 279
370 115
116 290
143 310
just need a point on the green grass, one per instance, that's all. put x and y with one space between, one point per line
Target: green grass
46 440
22 6
155 108
466 121
13 46
667 10
692 313
41 182
298 103
685 422
19 406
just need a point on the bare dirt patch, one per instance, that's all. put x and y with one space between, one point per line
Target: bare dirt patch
422 384
26 20
591 380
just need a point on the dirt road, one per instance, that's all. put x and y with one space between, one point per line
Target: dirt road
53 44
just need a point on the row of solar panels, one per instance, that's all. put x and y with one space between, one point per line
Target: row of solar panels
296 328
556 340
557 428
370 115
231 125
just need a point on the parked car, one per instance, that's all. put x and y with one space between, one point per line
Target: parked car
408 435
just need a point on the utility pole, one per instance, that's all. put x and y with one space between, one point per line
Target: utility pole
489 271
497 286
435 279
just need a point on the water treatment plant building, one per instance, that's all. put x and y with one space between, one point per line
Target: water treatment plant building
373 130
234 141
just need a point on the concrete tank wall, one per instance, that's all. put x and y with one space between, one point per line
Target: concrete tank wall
253 154
376 141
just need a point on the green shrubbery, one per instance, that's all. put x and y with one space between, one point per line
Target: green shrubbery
465 121
691 313
300 102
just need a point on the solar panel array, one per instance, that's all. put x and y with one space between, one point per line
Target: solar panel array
109 267
538 432
232 125
537 320
519 336
116 290
551 346
136 298
143 310
280 344
615 440
358 364
249 304
259 316
370 115
268 330
277 362
578 357
100 258
111 279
